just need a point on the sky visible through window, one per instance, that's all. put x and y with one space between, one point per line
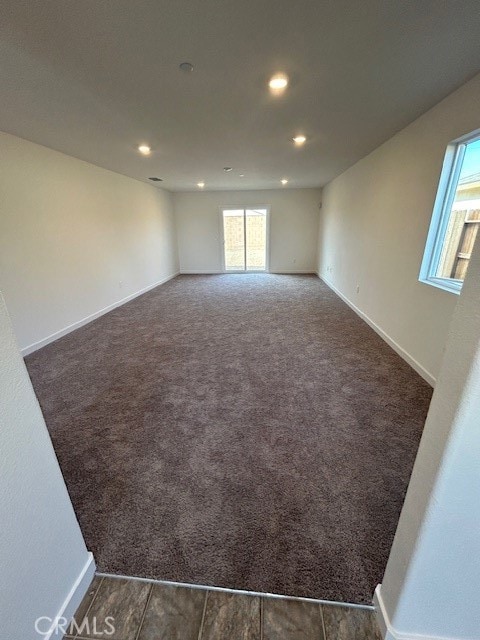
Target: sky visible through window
471 160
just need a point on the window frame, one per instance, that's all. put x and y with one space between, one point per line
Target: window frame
447 187
245 208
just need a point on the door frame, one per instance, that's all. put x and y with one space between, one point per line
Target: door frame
267 239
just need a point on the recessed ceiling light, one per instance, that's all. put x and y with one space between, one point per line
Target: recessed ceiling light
227 169
284 181
186 66
154 179
299 140
144 149
200 184
242 175
278 83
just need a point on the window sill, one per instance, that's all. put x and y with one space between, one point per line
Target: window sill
453 286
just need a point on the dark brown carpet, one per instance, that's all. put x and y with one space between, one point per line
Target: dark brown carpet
245 431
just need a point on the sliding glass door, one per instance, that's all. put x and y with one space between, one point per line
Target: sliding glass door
245 239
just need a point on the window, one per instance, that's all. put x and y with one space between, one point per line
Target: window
456 216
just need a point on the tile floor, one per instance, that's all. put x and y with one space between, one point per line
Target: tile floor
141 610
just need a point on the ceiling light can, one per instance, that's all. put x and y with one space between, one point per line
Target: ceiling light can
299 140
278 83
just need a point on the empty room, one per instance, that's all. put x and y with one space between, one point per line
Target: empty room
239 320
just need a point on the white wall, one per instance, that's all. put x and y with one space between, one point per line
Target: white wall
75 238
42 553
374 223
293 227
431 584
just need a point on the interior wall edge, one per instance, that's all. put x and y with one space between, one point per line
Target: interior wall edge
80 323
75 596
387 630
403 353
46 566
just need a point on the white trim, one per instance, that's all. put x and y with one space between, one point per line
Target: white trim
426 375
447 284
387 630
383 621
459 205
200 272
236 591
74 598
285 272
80 323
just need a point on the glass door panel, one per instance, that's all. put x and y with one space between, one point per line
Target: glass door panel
256 239
234 239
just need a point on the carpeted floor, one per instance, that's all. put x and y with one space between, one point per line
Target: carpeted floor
244 431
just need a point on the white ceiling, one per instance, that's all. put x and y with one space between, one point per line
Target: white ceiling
95 78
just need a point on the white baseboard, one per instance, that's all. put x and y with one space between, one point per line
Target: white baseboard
80 323
200 273
73 599
386 628
381 615
426 375
299 272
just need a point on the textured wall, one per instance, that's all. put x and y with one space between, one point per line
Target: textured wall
292 234
42 552
75 238
374 224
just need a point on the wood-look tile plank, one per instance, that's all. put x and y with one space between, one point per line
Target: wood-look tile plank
350 623
291 620
232 616
84 605
123 602
173 613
